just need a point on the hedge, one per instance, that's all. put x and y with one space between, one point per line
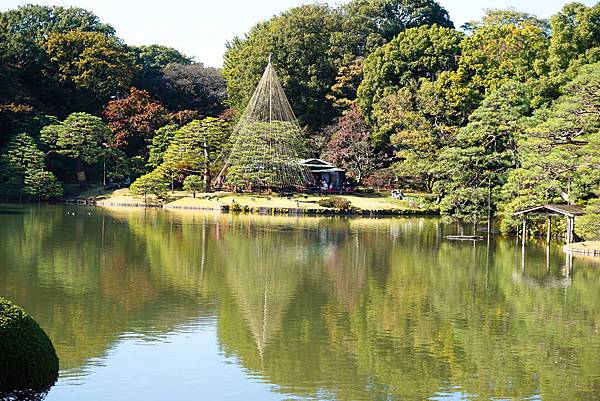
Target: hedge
28 361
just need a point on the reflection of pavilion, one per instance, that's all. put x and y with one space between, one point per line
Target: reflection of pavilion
547 281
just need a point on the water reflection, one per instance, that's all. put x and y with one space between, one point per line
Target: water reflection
316 308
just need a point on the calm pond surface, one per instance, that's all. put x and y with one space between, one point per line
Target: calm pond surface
160 305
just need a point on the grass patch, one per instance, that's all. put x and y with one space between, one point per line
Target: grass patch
216 200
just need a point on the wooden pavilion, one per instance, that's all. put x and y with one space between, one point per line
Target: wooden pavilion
325 171
561 210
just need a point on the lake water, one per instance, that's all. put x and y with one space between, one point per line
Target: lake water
159 305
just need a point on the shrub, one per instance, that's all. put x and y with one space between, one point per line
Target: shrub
42 185
152 183
28 360
193 184
336 202
382 178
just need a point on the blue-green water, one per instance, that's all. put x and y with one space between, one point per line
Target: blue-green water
159 305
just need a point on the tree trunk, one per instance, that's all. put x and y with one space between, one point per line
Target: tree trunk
207 186
489 211
80 172
206 169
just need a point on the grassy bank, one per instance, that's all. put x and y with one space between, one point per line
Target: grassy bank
365 203
584 248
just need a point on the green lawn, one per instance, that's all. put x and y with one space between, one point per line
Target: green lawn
180 199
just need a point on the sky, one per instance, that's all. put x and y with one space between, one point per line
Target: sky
201 28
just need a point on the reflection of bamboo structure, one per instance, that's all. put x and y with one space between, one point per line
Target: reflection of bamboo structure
263 291
267 141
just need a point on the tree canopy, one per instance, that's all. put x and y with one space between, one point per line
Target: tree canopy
421 52
95 63
133 121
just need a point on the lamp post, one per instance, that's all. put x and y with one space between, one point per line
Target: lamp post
104 165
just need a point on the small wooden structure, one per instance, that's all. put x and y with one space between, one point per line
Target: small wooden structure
325 171
562 210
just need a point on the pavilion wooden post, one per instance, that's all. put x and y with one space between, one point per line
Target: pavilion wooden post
570 229
568 211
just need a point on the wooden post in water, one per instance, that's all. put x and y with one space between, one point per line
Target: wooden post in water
524 231
568 263
549 233
570 229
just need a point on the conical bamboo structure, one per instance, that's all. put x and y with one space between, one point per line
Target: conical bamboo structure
267 142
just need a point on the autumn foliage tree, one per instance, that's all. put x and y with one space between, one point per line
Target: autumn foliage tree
133 121
350 145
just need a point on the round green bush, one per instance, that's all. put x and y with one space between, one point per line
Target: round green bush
336 202
28 361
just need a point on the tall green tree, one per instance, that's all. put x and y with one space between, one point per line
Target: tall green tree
369 24
155 57
421 52
575 30
82 137
561 153
26 73
471 173
414 123
97 64
19 158
196 147
497 51
160 142
299 42
372 23
24 31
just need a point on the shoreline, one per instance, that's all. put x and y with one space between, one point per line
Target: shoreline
585 248
269 210
267 204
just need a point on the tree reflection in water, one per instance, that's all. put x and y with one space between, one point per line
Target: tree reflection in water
325 308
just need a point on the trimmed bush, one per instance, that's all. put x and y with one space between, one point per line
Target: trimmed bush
193 184
28 361
153 183
336 202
